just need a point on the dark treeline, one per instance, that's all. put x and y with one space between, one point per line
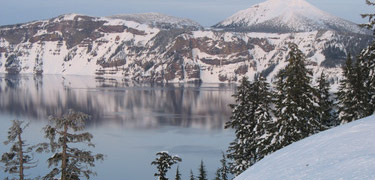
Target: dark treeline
164 162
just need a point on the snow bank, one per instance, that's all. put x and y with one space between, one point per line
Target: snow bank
345 152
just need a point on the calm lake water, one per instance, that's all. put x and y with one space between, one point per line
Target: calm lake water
130 122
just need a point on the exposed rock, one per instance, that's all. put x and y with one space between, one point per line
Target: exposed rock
12 65
193 72
76 44
241 70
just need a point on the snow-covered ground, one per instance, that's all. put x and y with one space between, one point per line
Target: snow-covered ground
343 153
157 19
295 15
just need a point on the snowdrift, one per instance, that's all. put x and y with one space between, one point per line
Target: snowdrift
345 152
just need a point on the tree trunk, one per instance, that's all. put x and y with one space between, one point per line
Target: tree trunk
64 156
20 153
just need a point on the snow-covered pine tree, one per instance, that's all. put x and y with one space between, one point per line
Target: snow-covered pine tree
362 89
346 93
264 129
252 122
241 122
192 175
371 18
296 107
202 172
74 162
327 115
354 94
224 170
163 163
19 158
178 174
367 57
218 174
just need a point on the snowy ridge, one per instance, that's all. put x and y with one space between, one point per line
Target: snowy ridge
345 152
287 16
68 17
159 20
75 44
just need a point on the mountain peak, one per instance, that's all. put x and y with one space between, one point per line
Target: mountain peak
291 3
286 16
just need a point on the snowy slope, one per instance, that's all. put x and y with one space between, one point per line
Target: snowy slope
345 152
159 20
287 16
75 44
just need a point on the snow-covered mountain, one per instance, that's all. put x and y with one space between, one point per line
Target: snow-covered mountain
159 20
138 50
345 152
286 16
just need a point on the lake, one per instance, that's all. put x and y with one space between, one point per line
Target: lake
130 122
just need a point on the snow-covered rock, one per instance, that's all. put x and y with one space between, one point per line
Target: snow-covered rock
74 44
159 20
345 152
286 16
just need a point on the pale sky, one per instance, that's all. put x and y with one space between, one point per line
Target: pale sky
205 12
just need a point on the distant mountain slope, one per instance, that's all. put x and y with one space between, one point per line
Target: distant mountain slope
286 16
345 152
159 20
75 44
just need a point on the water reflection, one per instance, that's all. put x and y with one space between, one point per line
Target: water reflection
112 102
156 117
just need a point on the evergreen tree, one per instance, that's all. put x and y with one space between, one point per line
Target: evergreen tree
218 174
371 20
367 57
163 163
362 88
296 111
252 122
178 174
74 162
18 159
192 175
202 172
264 129
354 95
368 61
325 103
241 122
224 170
346 92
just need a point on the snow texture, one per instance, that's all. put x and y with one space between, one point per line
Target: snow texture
157 20
290 15
345 152
143 53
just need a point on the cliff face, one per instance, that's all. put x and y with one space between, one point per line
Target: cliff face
82 45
